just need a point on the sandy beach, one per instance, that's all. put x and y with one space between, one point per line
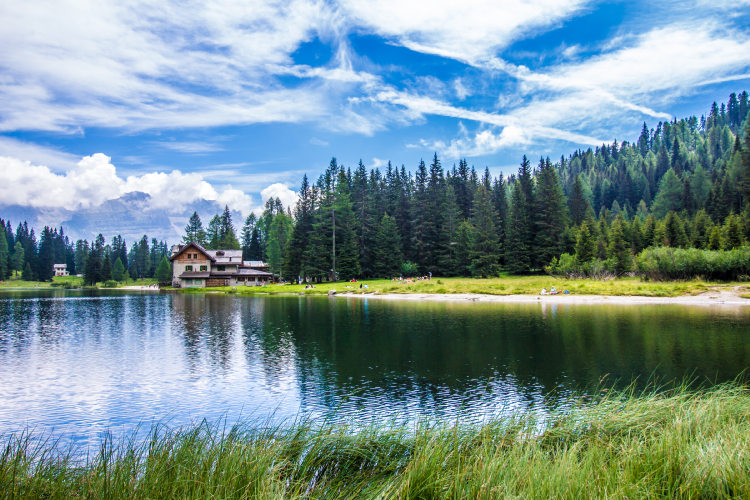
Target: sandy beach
711 298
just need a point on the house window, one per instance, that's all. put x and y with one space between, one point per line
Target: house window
195 255
220 268
188 268
204 268
189 256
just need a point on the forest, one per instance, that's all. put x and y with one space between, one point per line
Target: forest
675 203
683 184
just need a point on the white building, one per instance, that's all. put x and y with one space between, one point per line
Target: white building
61 269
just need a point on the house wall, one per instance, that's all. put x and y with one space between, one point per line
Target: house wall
193 283
180 264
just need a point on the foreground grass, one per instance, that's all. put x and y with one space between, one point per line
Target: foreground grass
681 444
503 285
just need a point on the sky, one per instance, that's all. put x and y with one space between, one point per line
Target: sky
234 101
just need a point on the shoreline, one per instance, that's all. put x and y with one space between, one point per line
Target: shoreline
707 299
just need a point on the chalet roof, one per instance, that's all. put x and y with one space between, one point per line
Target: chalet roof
181 249
194 274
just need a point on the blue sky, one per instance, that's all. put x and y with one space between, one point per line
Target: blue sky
234 101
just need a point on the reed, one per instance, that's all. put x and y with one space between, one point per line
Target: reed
681 443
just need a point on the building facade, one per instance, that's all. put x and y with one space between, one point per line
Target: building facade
194 266
61 269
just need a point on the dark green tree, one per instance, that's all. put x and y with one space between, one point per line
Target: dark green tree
194 231
619 248
517 251
485 247
164 271
118 270
550 215
579 205
387 249
585 243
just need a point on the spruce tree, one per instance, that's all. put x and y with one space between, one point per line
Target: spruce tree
550 215
517 258
347 251
579 205
27 274
387 249
193 232
213 234
585 243
164 271
485 246
670 194
118 270
4 273
619 248
18 257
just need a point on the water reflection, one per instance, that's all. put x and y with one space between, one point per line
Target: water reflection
82 362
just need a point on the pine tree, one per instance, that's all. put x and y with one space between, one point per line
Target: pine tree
279 235
118 270
347 255
670 194
619 248
485 247
517 258
46 260
193 231
18 257
227 237
387 249
551 215
579 205
4 272
213 234
164 271
585 243
464 240
27 274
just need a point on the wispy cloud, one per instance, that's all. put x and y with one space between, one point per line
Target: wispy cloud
190 147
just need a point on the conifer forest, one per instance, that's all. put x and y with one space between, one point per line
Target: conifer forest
673 203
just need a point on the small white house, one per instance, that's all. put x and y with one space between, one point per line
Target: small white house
61 269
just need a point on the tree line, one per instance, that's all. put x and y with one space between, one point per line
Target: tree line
97 261
684 183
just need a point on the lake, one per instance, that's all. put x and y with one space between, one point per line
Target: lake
77 363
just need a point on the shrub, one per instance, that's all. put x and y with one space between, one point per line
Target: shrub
665 263
110 284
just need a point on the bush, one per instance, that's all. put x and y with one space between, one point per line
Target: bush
665 263
566 265
110 284
409 269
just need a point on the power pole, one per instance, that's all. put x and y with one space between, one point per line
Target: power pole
333 218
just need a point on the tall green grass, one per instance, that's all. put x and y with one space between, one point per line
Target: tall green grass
679 444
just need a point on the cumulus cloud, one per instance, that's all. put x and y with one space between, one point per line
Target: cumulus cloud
278 190
94 180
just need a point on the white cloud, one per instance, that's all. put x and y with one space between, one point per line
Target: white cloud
461 91
94 180
36 153
236 200
472 33
190 147
278 190
133 64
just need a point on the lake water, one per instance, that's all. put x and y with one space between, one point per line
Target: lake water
75 364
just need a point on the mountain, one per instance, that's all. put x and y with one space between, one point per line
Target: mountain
130 216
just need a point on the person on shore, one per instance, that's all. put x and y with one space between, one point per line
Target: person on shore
544 291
